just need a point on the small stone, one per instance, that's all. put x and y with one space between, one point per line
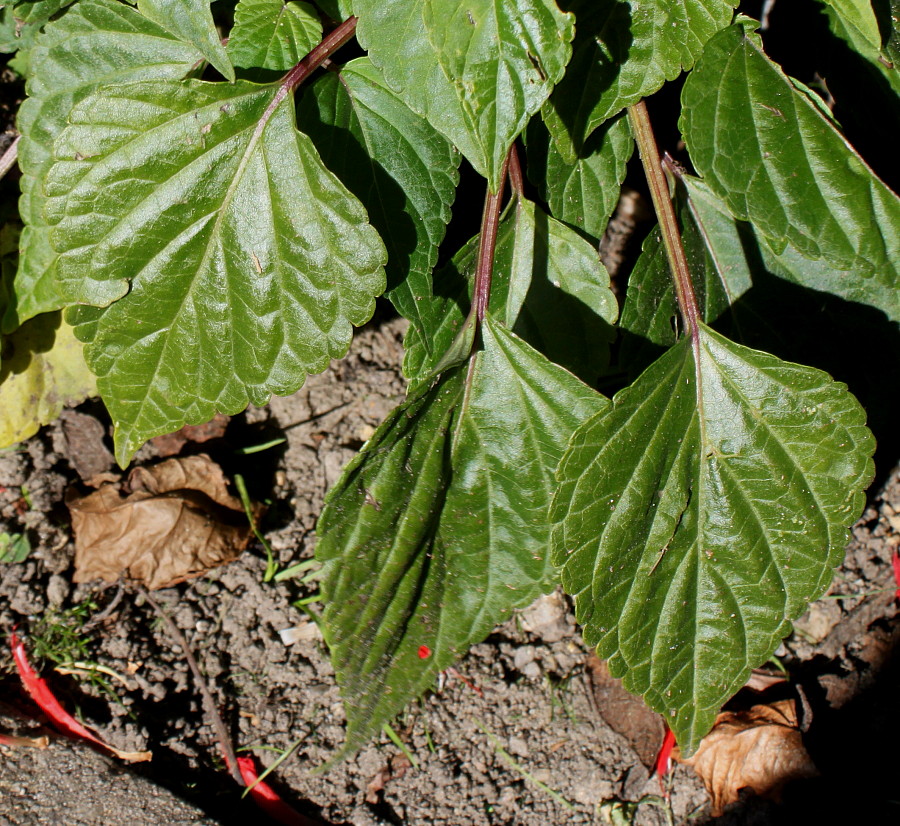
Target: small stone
532 671
518 746
57 590
524 655
304 631
546 618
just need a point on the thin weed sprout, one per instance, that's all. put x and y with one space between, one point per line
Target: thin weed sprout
272 572
557 688
513 764
624 812
62 637
395 739
283 754
271 564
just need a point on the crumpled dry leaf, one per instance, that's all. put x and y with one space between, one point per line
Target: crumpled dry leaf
625 713
760 749
167 523
171 444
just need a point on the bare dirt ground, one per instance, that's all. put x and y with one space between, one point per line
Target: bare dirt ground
522 739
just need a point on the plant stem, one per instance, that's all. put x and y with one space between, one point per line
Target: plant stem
212 712
668 224
329 45
10 156
490 222
516 180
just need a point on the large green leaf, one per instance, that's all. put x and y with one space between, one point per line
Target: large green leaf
584 193
403 171
700 513
477 71
192 22
548 286
438 528
762 145
625 50
727 240
247 260
96 42
272 34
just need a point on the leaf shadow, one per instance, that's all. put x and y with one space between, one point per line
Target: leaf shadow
854 343
590 73
35 336
381 195
558 324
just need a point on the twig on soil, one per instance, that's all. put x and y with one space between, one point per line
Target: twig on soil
315 417
209 703
9 157
102 615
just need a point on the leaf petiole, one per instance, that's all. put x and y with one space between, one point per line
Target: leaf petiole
668 223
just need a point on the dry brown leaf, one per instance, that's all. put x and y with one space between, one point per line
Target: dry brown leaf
624 713
167 523
760 749
171 443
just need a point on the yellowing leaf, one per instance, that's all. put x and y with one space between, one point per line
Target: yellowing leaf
41 372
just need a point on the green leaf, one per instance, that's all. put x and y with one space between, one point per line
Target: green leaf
700 513
337 10
890 20
548 286
20 24
438 528
403 171
272 34
38 12
192 22
42 371
857 18
248 261
727 241
14 548
96 42
727 259
855 22
717 259
625 50
650 313
477 72
765 148
583 193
